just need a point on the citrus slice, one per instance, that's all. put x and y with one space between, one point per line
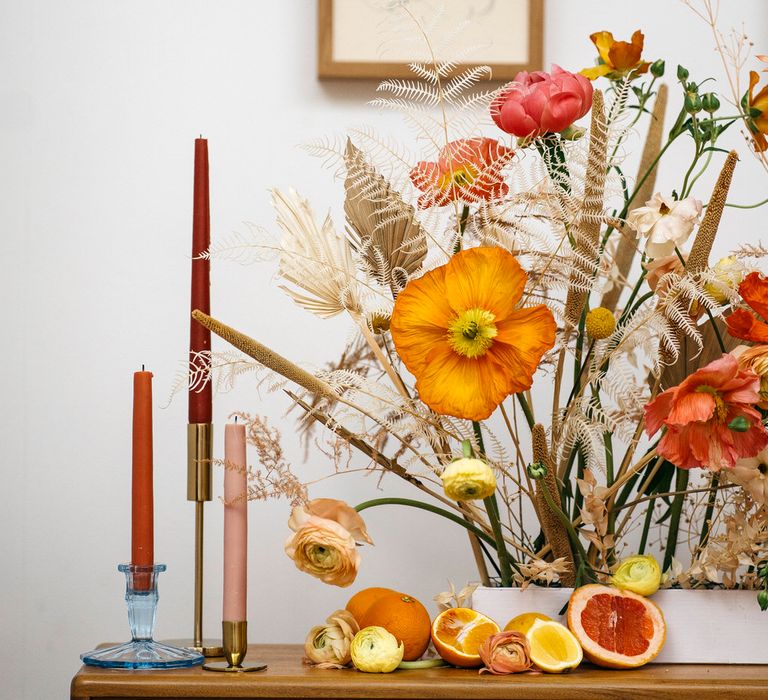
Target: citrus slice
457 634
523 622
554 648
616 629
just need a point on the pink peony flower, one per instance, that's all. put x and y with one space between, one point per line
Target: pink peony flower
506 652
710 418
538 103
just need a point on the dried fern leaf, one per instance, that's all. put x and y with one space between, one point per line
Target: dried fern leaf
625 253
380 225
587 234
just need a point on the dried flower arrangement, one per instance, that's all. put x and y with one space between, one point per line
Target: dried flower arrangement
538 350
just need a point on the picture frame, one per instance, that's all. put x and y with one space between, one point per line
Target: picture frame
348 43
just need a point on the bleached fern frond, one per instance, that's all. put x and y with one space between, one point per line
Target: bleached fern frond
314 258
411 91
242 247
459 84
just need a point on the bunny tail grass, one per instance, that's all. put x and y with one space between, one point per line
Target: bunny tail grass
554 530
698 260
265 356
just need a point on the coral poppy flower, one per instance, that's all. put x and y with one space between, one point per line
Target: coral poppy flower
459 331
467 170
710 417
756 107
617 58
741 323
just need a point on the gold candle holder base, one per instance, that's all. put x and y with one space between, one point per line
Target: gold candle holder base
235 635
210 648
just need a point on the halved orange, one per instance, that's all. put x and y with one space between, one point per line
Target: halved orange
457 634
616 629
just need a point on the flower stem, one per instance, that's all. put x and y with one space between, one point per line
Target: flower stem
492 508
432 509
706 526
681 484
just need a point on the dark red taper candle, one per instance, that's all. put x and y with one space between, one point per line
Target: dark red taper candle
200 401
142 508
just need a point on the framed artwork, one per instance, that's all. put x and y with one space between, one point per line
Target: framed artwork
508 35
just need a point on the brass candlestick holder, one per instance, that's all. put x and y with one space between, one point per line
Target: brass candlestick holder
200 490
235 635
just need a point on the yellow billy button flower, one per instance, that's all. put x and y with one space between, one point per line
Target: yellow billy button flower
468 478
640 574
600 323
374 650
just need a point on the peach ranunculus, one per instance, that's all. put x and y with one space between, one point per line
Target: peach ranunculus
468 170
506 652
665 222
618 59
327 646
756 108
751 473
710 418
460 332
323 544
658 268
534 104
743 324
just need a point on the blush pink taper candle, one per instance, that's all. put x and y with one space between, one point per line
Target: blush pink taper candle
235 524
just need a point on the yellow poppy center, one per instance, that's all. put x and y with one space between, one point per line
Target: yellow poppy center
721 410
461 176
472 332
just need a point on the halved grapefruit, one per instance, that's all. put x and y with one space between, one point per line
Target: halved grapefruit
616 629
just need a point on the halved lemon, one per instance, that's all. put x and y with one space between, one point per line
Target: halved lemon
554 648
523 622
457 634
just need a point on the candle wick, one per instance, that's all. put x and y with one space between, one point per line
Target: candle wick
235 420
142 367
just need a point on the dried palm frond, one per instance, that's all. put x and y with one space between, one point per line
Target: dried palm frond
380 225
315 259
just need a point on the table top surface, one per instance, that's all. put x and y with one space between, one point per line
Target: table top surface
287 677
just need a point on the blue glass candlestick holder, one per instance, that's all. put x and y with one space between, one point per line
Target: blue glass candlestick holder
142 652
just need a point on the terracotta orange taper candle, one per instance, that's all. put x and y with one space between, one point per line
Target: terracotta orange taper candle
142 510
235 524
200 402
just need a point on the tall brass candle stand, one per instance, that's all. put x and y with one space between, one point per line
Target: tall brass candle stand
200 490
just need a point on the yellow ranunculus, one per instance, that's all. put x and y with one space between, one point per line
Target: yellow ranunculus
374 650
729 273
468 479
640 574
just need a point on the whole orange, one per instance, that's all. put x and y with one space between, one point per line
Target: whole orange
404 617
359 603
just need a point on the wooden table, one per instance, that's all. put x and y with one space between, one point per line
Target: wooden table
288 678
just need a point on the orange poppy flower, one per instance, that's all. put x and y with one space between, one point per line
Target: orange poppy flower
467 169
756 107
617 58
459 331
741 323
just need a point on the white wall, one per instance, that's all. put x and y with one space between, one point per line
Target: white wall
99 104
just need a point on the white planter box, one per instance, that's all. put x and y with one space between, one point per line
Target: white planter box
703 626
